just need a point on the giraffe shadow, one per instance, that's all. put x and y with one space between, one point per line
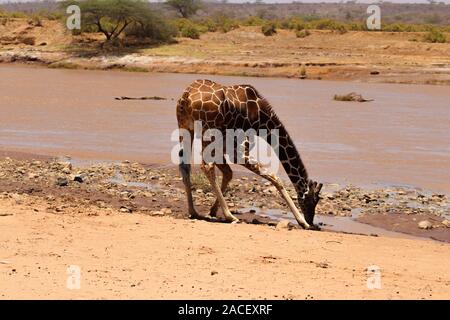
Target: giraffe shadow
244 217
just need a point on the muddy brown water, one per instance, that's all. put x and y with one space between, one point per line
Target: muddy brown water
401 138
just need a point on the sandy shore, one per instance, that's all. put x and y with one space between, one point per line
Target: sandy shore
131 242
138 256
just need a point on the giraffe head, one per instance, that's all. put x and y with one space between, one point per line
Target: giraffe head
308 200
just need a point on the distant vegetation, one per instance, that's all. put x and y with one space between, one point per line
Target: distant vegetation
120 19
186 8
435 36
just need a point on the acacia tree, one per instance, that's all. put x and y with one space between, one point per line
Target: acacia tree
112 17
185 8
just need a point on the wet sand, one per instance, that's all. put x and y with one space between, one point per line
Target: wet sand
401 138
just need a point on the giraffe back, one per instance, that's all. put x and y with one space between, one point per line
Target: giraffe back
222 107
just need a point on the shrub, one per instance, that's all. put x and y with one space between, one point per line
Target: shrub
302 33
327 24
210 25
155 28
190 31
269 29
340 28
225 24
297 24
254 21
355 26
435 36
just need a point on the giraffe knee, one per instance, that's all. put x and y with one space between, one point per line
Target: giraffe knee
185 170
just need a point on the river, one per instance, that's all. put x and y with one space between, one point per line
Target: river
400 138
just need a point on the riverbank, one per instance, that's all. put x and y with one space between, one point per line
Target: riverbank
67 185
386 57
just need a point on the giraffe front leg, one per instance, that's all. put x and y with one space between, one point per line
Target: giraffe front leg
209 170
227 175
256 168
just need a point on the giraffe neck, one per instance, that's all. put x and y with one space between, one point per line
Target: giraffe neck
289 156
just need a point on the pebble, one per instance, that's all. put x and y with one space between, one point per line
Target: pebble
125 209
78 178
446 223
62 181
284 225
425 224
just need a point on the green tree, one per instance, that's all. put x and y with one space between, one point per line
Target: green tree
185 8
112 17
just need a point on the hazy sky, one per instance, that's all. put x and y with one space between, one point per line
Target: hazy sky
288 1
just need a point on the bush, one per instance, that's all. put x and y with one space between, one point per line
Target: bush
327 24
435 36
210 25
254 21
155 29
226 24
269 29
355 26
302 33
297 24
190 31
151 30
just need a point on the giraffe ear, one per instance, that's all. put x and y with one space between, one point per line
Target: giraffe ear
314 190
317 189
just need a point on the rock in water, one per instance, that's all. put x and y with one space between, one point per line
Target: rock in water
425 224
446 223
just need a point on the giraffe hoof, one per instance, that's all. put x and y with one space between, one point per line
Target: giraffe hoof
194 215
314 227
210 218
